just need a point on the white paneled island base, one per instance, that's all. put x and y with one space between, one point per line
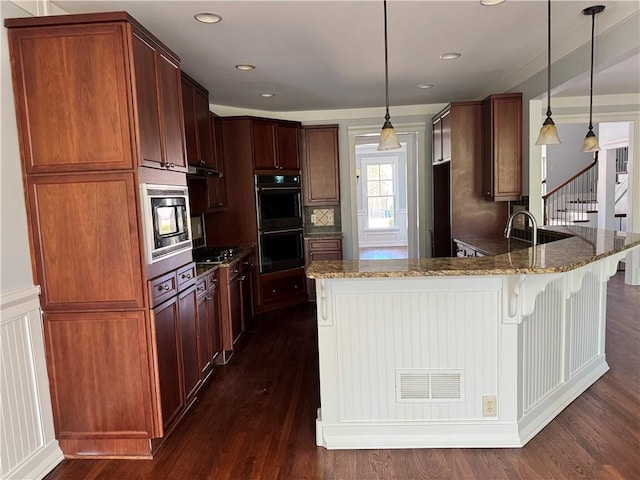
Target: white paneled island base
456 360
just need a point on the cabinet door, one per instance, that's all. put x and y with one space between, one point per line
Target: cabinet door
213 315
288 157
215 126
204 338
189 341
167 336
263 140
320 170
190 122
502 147
446 137
144 54
73 97
235 301
85 236
282 286
246 277
437 141
171 107
205 152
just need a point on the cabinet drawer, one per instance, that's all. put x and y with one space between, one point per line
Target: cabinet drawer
234 270
325 244
277 288
186 275
163 288
201 286
212 281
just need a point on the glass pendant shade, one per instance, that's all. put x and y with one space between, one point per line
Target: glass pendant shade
388 138
590 143
548 133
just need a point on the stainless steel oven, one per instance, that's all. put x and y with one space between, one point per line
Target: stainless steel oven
280 249
278 201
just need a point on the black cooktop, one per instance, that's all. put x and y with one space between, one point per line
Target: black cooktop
213 254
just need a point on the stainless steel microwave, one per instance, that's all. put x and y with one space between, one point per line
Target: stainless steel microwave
167 229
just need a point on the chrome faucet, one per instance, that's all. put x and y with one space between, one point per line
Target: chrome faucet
507 229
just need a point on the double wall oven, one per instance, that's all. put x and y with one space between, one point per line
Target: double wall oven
279 211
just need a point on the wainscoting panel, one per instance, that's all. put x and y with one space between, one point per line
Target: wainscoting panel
28 448
543 346
584 324
433 340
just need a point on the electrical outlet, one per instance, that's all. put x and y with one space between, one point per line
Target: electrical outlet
489 407
313 218
330 217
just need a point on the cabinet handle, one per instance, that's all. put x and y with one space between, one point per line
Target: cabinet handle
273 291
220 204
242 278
295 286
235 270
166 287
208 297
186 275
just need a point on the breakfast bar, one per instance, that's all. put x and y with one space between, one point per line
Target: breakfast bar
462 352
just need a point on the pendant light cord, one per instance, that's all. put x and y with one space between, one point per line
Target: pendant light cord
549 61
593 26
386 62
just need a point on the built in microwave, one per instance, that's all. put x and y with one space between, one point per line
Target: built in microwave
167 226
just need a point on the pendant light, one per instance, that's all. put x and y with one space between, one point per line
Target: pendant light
590 143
548 132
388 138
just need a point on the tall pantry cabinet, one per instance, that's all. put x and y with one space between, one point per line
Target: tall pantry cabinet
99 110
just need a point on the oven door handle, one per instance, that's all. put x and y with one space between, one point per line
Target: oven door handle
290 230
287 188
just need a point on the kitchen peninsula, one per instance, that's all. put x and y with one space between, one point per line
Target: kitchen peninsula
462 352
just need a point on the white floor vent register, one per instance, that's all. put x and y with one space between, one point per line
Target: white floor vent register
424 385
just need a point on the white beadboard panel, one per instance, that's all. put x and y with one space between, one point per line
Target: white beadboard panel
543 345
584 323
402 328
28 448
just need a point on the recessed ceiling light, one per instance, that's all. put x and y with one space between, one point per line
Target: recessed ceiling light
245 67
450 56
425 85
267 95
207 17
488 3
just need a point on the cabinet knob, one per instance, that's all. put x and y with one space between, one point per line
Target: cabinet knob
186 275
324 244
273 291
235 270
295 286
242 278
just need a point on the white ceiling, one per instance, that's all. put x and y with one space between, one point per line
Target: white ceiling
322 55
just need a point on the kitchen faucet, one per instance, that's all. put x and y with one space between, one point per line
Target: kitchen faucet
507 229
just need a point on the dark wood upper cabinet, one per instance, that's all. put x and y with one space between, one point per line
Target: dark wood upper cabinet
502 147
288 146
97 107
171 102
77 116
320 165
195 101
275 145
263 141
441 138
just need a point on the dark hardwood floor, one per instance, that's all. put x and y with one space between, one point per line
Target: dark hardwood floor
256 420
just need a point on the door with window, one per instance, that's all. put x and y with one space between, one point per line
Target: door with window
382 203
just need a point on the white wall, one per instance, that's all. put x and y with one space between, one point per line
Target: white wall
566 159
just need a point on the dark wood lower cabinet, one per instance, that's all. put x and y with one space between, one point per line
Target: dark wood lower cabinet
320 249
282 288
167 335
187 304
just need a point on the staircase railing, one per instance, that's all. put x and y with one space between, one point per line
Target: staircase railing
570 201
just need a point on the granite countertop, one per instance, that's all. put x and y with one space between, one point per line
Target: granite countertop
205 268
585 246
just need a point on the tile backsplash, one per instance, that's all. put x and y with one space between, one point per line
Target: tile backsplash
322 219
